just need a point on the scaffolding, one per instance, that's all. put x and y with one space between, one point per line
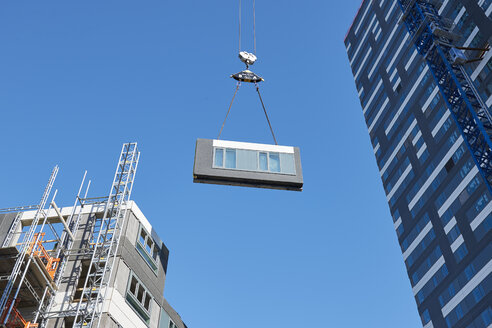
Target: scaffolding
26 264
435 41
105 245
35 270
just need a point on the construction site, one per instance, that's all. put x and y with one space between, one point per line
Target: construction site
99 262
255 244
96 263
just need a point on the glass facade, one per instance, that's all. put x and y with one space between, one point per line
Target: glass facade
441 206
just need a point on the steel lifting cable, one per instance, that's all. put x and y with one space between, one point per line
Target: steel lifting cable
266 115
230 105
239 25
254 26
256 84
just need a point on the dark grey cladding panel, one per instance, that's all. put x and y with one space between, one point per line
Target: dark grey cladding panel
5 223
203 172
164 256
164 253
154 282
175 317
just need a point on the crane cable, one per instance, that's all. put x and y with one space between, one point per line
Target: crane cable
230 105
266 115
256 84
239 26
262 105
254 26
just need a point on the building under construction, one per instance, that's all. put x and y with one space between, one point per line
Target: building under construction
97 263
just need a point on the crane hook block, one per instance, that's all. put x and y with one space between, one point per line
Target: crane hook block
247 76
247 58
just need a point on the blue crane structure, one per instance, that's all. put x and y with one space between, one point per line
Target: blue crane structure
434 40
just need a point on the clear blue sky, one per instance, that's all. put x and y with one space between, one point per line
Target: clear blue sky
79 78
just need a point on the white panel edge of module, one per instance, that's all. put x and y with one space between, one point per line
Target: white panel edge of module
253 146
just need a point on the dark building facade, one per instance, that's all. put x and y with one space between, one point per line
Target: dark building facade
440 204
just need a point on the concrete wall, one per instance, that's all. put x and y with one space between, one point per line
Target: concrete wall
6 221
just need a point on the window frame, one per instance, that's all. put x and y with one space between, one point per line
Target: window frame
269 170
142 249
133 301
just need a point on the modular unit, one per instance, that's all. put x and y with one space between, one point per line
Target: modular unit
247 164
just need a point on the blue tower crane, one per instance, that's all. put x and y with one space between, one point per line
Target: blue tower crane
434 41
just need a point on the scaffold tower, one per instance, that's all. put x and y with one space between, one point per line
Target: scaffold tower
106 240
26 255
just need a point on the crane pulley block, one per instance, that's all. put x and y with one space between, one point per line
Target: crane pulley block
247 76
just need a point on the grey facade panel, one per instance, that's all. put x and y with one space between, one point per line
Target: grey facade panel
154 282
204 172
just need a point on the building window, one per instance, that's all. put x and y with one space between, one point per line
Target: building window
172 324
230 162
460 253
252 160
147 248
263 161
274 162
425 317
138 297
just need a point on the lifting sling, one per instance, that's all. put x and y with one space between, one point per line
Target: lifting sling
247 75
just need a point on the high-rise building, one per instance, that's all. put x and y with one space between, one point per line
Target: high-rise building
438 194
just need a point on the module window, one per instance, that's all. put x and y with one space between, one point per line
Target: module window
147 248
138 297
253 160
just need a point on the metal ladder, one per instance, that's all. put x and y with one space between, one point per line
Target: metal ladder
28 239
433 41
90 306
63 252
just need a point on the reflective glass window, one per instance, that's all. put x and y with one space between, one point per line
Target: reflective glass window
263 161
246 160
219 157
287 163
460 253
425 317
274 162
254 160
230 160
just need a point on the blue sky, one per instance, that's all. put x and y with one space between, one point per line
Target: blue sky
77 79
